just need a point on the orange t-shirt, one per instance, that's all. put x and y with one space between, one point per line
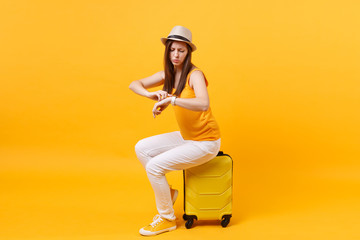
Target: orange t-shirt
196 125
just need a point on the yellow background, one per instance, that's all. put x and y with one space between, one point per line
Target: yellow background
284 86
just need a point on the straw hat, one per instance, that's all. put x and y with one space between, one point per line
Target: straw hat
182 34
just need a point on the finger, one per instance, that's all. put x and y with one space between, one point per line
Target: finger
154 108
157 107
163 96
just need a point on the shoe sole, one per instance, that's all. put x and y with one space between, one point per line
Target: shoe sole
148 233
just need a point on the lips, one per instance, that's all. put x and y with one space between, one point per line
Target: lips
176 60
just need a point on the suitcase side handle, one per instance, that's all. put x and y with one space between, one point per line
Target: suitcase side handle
221 153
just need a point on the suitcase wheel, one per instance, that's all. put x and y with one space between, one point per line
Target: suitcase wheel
189 220
225 220
189 223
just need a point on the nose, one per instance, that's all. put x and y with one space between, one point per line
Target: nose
176 53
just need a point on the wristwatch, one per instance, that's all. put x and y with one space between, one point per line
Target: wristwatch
173 98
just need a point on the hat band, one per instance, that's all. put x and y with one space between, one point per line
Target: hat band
179 37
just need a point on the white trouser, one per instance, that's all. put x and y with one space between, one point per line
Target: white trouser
167 152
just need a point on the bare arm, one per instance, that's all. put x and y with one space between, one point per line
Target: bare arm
140 86
199 103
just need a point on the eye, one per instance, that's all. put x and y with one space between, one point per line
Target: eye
182 51
172 49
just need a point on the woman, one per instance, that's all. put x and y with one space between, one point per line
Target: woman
198 141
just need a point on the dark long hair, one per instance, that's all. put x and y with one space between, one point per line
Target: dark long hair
170 70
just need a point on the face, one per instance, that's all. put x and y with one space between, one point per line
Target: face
178 53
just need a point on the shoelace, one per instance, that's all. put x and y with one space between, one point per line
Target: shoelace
158 220
156 217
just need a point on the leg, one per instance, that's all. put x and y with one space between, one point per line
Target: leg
189 154
150 147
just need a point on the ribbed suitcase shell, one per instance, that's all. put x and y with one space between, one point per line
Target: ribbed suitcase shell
208 190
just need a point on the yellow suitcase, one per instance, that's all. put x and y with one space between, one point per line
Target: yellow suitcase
208 191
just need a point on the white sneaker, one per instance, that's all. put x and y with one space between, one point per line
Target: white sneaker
159 225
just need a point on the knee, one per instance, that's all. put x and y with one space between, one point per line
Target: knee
141 154
140 147
152 169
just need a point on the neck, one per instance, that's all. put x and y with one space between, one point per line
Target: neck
178 68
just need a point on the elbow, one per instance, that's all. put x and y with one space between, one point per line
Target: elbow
131 86
205 107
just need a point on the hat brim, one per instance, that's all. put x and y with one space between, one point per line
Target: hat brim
163 40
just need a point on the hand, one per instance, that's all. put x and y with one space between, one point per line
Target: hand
160 106
158 95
